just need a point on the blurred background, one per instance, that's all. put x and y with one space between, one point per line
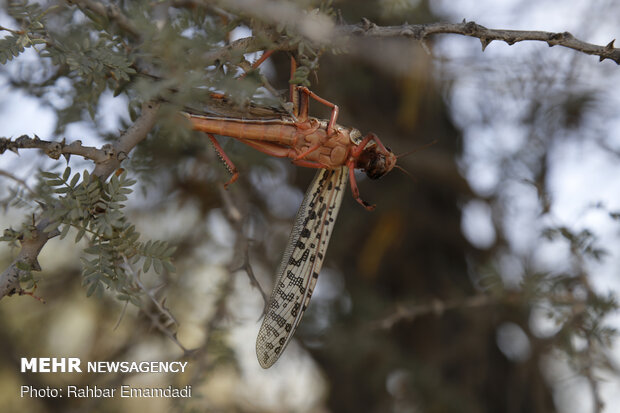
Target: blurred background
484 282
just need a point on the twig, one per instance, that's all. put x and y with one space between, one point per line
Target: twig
55 149
110 11
436 307
247 267
235 216
486 36
18 180
19 32
161 309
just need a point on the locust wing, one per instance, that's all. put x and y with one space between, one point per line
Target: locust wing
300 266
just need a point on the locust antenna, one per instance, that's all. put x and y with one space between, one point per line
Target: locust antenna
403 170
417 149
406 172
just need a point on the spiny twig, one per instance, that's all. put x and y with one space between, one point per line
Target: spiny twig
422 31
55 149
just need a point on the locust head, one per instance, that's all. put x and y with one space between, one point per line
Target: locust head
376 159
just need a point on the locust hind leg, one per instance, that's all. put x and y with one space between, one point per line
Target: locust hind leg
230 166
306 94
300 97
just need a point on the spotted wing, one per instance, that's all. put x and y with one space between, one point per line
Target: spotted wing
300 266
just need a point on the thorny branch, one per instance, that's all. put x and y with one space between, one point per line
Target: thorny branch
55 149
116 153
422 31
436 307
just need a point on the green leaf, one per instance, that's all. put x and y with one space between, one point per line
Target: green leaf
74 180
169 266
66 174
93 250
92 288
49 175
65 231
135 301
147 264
54 182
51 227
169 251
157 266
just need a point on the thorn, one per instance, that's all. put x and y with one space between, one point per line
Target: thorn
610 45
601 58
36 266
485 42
367 24
425 46
67 156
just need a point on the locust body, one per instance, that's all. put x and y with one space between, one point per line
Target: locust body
323 144
310 142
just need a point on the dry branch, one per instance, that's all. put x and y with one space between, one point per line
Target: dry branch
422 31
55 149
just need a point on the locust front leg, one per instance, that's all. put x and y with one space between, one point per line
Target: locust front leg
356 152
354 190
225 159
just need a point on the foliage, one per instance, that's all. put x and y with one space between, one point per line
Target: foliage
95 210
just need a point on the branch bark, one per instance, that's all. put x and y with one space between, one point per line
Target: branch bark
422 31
31 247
55 149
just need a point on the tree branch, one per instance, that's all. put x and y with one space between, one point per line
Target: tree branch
55 149
26 260
486 36
109 11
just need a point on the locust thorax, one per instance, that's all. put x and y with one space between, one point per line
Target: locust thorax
375 161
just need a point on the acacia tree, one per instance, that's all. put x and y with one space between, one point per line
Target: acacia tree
160 58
